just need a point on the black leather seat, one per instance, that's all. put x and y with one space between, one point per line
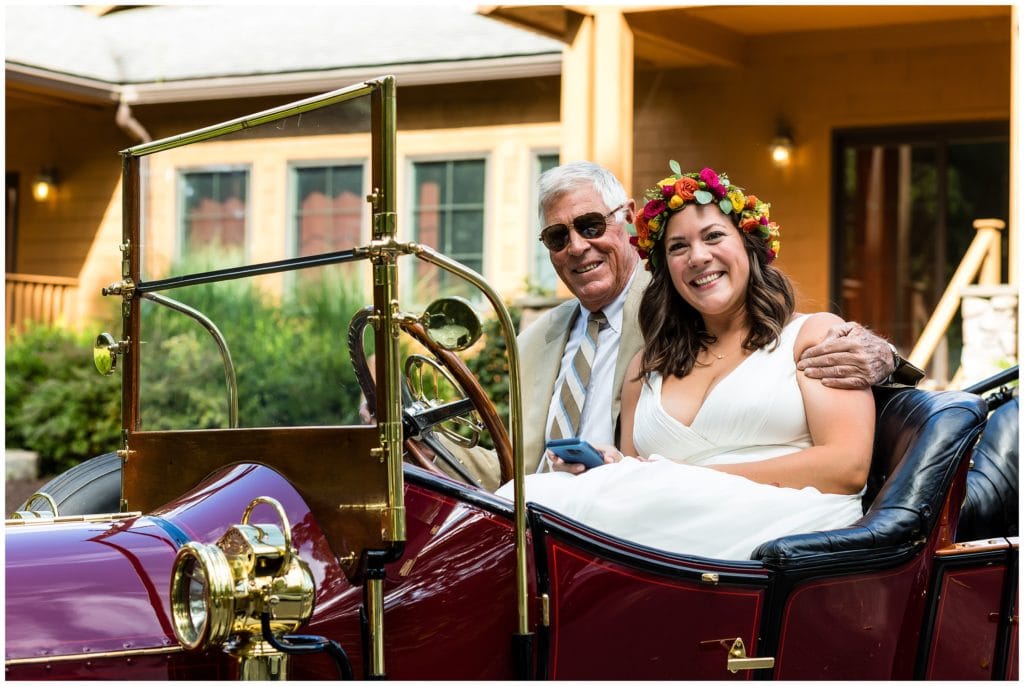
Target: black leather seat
992 503
920 438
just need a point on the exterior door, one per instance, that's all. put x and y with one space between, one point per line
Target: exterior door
904 202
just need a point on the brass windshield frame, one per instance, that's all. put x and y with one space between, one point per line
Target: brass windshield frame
372 510
357 498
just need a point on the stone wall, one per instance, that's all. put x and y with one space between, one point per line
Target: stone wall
990 330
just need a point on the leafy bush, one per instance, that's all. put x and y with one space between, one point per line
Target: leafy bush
290 358
291 361
56 403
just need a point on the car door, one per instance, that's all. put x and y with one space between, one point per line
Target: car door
611 610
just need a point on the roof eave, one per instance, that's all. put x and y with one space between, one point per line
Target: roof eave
228 87
77 88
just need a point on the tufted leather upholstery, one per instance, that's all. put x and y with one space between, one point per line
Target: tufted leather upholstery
920 438
991 507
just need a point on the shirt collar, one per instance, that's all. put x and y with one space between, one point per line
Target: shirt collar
613 310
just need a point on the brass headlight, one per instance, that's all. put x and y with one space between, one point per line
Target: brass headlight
202 587
219 591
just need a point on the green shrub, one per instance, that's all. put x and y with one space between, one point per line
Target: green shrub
291 358
56 403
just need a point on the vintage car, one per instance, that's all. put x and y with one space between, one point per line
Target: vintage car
324 546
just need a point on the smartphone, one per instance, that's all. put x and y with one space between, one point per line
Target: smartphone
576 450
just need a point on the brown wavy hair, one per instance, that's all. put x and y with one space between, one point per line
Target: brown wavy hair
673 330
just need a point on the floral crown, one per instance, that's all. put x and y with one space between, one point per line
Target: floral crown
672 194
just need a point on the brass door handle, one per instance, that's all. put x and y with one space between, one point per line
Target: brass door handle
738 659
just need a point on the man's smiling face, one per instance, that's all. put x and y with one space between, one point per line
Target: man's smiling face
595 270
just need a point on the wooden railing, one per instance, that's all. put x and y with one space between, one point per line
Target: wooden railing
42 299
982 259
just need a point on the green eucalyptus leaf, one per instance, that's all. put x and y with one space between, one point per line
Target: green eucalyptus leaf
726 205
674 166
703 197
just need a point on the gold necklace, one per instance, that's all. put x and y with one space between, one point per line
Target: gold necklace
716 355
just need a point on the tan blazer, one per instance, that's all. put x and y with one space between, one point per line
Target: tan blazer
541 347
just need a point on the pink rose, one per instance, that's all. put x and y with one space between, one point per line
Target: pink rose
710 179
653 208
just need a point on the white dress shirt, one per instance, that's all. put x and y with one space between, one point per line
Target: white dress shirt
595 421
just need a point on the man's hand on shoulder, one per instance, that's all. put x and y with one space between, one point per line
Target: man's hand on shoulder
849 356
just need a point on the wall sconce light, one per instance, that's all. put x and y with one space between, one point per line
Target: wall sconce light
44 185
781 147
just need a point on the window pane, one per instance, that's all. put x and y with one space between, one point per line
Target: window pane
215 211
448 216
312 180
468 182
429 183
329 208
466 237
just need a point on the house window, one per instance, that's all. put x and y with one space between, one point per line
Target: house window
448 215
215 209
328 208
542 279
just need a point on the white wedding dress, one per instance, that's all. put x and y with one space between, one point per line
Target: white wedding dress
671 502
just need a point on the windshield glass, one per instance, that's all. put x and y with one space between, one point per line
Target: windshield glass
266 193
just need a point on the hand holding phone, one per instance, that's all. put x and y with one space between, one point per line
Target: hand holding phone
576 450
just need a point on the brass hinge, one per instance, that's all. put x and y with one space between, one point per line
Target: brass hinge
126 259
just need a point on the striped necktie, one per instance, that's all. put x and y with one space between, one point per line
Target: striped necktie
573 393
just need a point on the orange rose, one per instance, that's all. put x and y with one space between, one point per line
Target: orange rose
749 224
685 188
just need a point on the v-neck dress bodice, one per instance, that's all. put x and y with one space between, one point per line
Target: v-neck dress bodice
673 501
753 413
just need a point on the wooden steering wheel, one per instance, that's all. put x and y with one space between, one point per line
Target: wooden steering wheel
470 387
454 370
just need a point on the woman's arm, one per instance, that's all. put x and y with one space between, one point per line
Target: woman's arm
842 427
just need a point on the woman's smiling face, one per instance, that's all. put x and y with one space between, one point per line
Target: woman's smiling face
707 260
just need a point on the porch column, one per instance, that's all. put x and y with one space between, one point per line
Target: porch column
1016 103
597 91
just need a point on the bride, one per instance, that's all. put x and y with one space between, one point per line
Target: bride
733 446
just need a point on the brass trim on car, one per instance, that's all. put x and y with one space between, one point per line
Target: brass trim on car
128 652
107 517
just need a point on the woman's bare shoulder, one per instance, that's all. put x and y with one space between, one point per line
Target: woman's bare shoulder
814 329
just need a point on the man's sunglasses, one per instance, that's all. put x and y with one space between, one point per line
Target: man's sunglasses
590 225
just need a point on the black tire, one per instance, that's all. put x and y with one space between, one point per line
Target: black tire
92 487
